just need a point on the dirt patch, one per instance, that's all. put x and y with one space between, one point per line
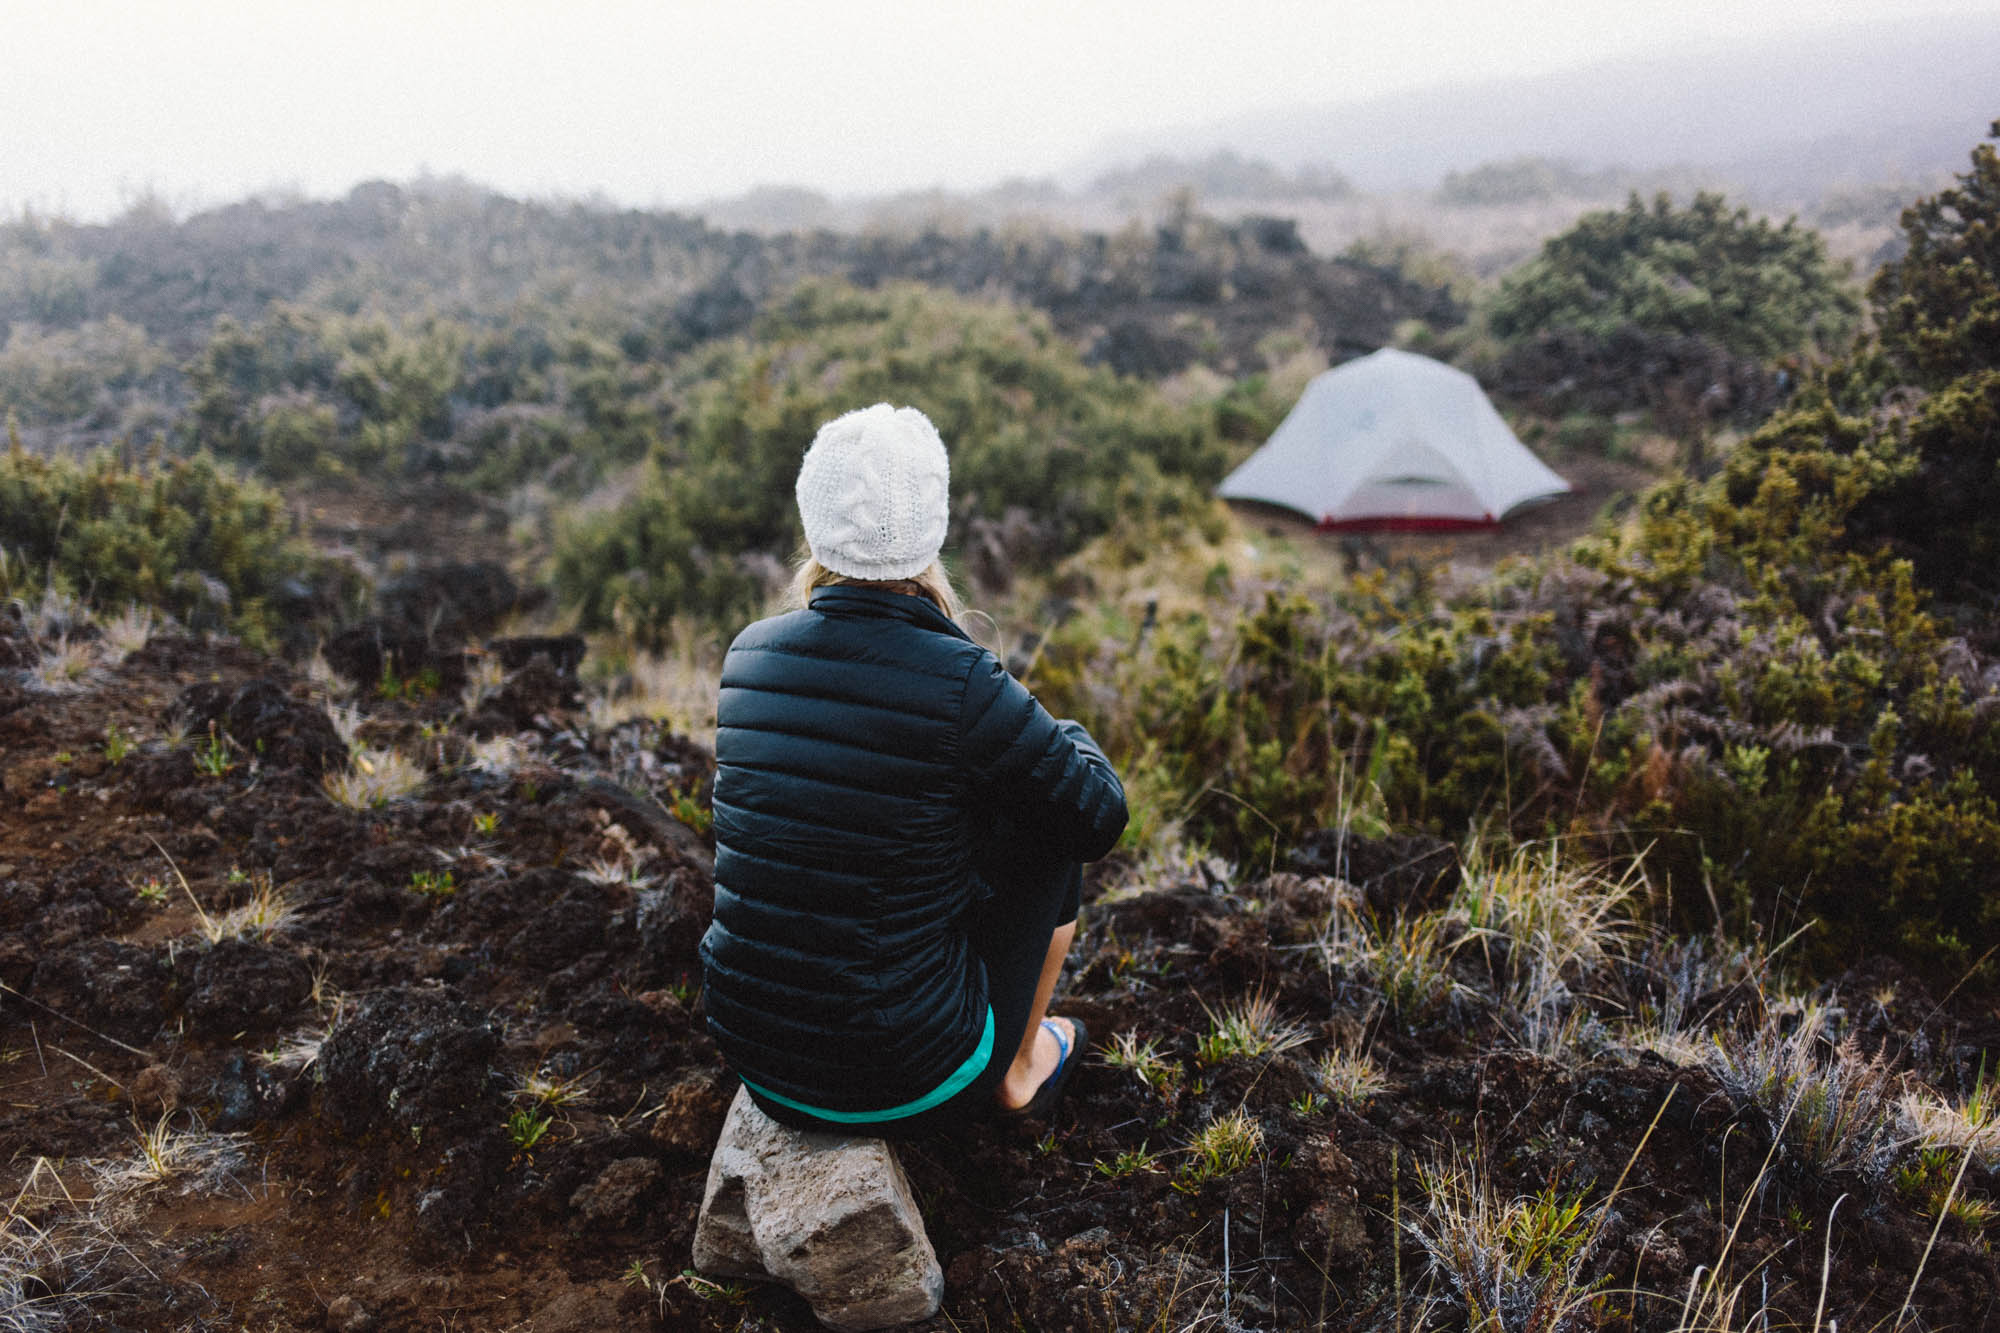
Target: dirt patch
443 1063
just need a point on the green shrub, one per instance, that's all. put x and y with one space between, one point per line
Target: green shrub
1751 680
181 534
1029 427
1708 271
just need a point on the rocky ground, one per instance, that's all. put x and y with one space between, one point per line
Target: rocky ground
383 1012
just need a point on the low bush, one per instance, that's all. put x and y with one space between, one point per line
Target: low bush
1752 679
182 534
1032 431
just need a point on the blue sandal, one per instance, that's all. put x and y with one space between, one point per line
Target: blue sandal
1038 1106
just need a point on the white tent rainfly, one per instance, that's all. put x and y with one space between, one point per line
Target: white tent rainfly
1394 440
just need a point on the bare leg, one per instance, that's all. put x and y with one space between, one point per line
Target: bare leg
1039 1051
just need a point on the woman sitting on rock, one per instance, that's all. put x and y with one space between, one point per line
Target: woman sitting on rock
899 825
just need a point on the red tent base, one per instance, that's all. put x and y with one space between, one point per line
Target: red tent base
1408 524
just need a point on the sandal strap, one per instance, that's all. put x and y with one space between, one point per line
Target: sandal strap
1056 1030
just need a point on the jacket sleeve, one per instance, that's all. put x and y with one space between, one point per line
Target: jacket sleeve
1049 776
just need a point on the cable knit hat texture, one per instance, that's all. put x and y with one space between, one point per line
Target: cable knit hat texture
873 493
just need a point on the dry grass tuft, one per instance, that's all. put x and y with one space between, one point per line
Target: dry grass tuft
482 681
299 1051
1831 1108
50 1273
269 912
321 673
1970 1125
680 689
1224 1146
1404 963
347 720
1249 1028
373 779
542 1088
500 755
128 631
61 666
1510 1264
1572 920
1349 1077
1142 1060
193 1160
54 615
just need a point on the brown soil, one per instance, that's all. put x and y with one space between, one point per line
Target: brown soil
379 1187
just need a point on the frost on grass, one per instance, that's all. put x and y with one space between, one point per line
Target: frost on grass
1830 1107
51 1273
128 631
191 1161
374 778
62 665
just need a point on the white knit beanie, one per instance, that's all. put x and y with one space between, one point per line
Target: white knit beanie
873 493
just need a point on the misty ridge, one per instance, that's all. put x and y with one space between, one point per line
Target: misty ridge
1835 127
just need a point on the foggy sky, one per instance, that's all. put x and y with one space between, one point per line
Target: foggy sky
651 102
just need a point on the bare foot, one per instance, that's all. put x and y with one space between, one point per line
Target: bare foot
1024 1079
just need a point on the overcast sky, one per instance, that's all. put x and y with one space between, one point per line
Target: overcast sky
650 101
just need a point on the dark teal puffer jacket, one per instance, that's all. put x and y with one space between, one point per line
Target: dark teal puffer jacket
866 751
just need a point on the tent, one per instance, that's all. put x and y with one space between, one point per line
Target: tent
1394 440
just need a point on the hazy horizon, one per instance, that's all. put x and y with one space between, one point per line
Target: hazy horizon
109 104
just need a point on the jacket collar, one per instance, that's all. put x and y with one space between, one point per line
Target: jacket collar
848 600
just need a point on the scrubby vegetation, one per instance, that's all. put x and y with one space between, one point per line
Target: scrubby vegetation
1705 270
1742 680
179 534
1046 452
1677 310
1598 941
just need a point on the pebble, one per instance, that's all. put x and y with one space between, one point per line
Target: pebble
344 1314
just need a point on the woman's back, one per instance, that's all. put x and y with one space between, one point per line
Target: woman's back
865 748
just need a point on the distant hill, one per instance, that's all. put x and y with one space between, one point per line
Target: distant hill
1781 120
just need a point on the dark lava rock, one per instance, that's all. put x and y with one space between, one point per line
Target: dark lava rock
372 652
671 921
448 602
564 652
467 1177
1401 874
263 718
249 1092
241 986
616 1197
562 932
536 691
413 1058
115 989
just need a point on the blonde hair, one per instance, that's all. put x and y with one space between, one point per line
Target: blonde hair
931 582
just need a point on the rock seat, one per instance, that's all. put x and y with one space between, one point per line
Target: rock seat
828 1215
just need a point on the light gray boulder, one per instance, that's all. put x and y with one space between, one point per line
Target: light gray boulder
828 1215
